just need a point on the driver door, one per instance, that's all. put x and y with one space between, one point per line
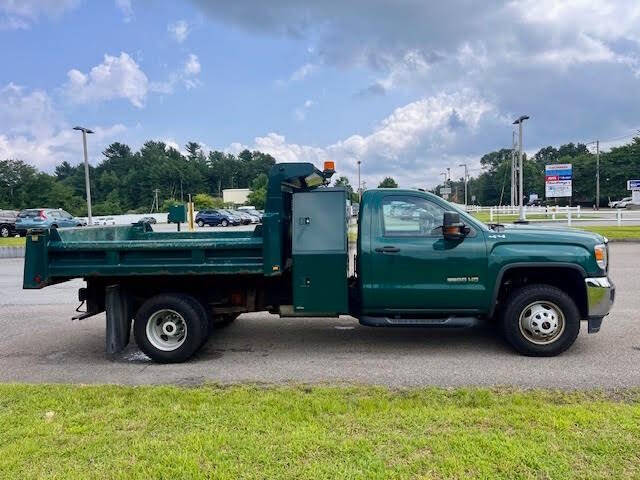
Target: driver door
414 269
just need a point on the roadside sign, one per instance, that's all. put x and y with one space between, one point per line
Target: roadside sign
445 190
633 184
558 180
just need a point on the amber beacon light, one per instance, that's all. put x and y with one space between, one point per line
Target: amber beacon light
330 165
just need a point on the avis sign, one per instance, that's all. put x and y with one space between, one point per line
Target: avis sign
558 180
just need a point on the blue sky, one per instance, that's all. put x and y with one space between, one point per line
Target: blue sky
407 88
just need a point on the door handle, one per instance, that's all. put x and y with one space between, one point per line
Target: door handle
387 249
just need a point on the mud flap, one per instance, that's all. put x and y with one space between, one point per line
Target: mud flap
119 313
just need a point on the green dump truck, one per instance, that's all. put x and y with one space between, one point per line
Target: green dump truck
419 262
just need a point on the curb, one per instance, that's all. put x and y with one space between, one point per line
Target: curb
12 252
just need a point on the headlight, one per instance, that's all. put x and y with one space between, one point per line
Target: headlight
601 256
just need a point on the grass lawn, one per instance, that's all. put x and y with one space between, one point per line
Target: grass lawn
12 242
55 431
614 232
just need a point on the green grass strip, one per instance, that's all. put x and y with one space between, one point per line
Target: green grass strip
12 242
55 431
615 233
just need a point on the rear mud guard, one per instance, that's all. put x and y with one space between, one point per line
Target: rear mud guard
118 307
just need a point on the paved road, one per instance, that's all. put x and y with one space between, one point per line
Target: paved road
38 343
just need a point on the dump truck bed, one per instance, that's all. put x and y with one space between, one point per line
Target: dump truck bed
54 256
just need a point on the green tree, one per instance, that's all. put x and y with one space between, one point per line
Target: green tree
258 195
202 201
388 182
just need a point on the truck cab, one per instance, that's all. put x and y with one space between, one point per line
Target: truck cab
418 261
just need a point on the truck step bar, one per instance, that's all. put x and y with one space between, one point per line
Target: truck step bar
448 322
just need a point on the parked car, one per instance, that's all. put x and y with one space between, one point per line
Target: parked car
620 203
151 220
104 221
45 218
8 223
253 212
214 218
233 218
245 218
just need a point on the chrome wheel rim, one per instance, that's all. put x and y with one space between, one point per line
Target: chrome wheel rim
4 232
166 330
542 322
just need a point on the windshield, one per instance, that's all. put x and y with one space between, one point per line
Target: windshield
29 214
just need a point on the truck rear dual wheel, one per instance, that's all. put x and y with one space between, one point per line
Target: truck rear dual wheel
540 321
170 328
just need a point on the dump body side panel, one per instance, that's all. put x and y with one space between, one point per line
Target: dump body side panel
57 255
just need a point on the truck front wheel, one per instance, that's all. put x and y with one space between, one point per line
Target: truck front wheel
169 328
540 321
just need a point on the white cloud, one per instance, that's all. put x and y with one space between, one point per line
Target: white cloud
299 74
127 10
34 131
21 14
192 66
187 75
115 77
179 30
300 113
413 144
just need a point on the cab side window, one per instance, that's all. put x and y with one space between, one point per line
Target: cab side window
408 216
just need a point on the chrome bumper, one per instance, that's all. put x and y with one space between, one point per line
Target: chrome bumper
600 295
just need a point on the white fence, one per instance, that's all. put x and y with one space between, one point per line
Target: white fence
561 214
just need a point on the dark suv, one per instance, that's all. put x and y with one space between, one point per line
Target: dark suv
214 218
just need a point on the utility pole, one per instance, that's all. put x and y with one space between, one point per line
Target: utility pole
597 142
597 174
514 180
87 183
359 184
519 122
466 177
155 201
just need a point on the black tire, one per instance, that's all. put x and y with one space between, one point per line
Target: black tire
200 223
192 314
54 226
5 231
224 222
523 298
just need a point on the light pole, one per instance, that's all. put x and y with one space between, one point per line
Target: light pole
359 184
466 176
86 170
597 142
514 180
518 122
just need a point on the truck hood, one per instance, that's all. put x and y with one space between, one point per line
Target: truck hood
544 234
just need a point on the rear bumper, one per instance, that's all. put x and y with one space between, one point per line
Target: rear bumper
601 294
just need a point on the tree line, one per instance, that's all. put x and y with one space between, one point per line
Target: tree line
125 181
493 185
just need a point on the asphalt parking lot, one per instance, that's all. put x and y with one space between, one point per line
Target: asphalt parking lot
38 343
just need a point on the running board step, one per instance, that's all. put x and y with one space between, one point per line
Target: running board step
449 322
